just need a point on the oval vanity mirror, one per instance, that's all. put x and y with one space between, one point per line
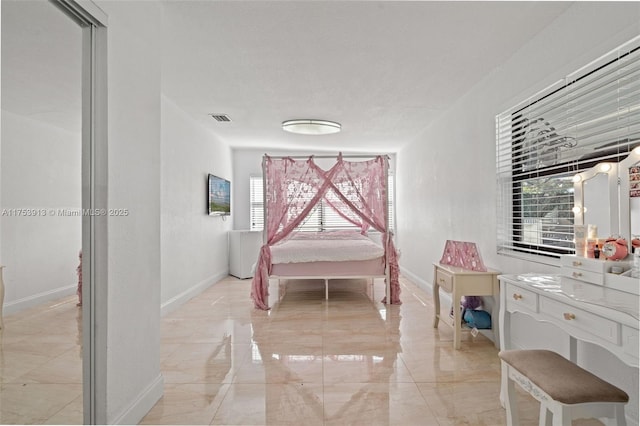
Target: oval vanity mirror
597 211
596 199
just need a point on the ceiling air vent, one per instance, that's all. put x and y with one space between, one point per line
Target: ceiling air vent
220 117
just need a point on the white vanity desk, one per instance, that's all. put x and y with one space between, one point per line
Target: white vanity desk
587 300
605 316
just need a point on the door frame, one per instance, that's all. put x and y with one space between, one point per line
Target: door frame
93 22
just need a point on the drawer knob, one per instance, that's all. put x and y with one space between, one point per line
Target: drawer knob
577 263
569 316
442 280
517 296
577 274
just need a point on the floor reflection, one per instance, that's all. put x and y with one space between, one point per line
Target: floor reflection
307 340
307 361
41 365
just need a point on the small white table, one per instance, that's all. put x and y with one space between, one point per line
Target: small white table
464 282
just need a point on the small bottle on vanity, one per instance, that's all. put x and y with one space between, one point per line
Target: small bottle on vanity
596 252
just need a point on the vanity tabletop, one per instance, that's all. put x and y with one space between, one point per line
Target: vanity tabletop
611 303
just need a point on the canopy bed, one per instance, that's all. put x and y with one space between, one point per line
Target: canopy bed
357 192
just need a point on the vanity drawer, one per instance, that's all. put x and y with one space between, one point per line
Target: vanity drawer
444 280
585 275
583 264
519 299
581 320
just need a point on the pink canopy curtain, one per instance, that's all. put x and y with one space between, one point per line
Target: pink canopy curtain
356 190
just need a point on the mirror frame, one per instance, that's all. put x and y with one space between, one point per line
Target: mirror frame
611 170
625 202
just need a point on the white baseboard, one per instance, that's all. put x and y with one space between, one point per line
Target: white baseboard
38 299
445 298
177 301
423 284
142 404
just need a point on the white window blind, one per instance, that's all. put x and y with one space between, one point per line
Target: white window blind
256 203
592 115
322 217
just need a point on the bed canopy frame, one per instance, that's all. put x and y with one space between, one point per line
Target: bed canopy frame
356 190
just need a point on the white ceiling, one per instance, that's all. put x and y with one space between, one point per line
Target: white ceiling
384 70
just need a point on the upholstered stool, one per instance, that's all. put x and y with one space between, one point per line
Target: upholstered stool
564 389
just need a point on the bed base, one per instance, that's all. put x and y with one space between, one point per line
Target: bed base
325 278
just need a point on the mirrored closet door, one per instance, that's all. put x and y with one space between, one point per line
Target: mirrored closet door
41 351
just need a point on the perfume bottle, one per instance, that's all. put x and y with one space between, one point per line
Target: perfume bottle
596 252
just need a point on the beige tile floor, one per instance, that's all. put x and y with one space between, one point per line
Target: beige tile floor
41 365
307 361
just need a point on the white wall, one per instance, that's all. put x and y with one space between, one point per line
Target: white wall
133 379
40 173
245 164
455 195
194 245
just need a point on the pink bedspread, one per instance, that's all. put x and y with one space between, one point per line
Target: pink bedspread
325 247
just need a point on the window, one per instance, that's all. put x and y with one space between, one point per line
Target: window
322 217
592 115
256 203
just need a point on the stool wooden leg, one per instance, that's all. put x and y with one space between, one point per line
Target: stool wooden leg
510 397
562 416
545 416
621 420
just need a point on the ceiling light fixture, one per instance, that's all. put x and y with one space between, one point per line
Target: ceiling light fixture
311 127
